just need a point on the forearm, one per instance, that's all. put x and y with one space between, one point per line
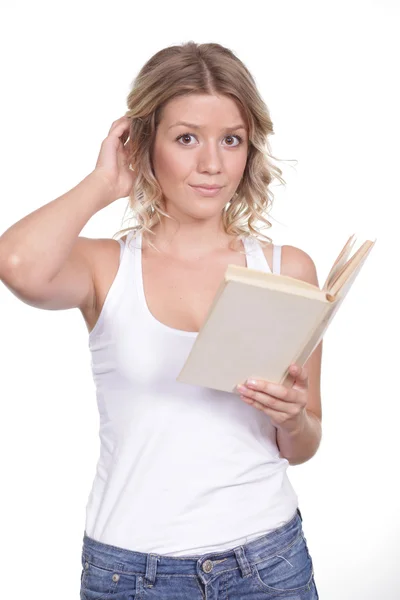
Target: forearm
301 445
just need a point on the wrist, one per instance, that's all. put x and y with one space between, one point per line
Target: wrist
104 189
294 427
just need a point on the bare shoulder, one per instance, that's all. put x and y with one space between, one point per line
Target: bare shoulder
104 258
295 263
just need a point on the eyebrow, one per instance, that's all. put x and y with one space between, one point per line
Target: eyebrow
194 126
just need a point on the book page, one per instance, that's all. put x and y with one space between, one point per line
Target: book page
339 262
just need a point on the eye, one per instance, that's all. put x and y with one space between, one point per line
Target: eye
240 140
188 135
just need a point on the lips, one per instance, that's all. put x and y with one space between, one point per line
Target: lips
206 191
208 187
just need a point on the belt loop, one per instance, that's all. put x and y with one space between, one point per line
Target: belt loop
244 564
151 570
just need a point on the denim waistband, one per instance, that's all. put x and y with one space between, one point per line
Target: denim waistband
206 566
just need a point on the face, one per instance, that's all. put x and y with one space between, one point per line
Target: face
210 151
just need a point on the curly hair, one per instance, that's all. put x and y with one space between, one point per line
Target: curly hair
193 68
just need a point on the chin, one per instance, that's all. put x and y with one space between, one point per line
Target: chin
200 207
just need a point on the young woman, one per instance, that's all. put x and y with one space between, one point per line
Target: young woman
191 498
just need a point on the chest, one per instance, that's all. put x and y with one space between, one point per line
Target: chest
179 294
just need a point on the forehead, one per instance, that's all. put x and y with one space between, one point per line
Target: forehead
202 109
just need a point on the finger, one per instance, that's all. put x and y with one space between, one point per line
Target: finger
119 126
273 413
124 136
273 389
268 401
300 374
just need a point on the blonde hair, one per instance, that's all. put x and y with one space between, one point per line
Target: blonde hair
193 68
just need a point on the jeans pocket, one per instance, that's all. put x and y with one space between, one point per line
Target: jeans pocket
287 571
98 583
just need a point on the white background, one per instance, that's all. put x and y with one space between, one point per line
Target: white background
328 72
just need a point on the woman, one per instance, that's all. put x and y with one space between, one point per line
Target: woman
191 497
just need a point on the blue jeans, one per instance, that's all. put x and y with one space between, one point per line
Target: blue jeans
274 566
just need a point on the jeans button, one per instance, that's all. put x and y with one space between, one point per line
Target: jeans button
86 566
115 577
208 566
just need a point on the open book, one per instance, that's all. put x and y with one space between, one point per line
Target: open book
259 323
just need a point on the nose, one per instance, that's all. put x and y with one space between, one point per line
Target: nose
210 160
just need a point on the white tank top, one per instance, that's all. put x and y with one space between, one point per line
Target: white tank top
183 469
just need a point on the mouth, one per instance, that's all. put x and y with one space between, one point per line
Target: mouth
209 187
206 191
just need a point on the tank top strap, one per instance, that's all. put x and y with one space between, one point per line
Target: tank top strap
134 244
127 253
122 244
256 258
276 259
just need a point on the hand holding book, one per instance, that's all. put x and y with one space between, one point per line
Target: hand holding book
285 407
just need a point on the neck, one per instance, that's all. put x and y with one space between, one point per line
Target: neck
189 241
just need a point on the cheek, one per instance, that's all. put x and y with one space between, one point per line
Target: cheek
178 165
171 166
235 165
